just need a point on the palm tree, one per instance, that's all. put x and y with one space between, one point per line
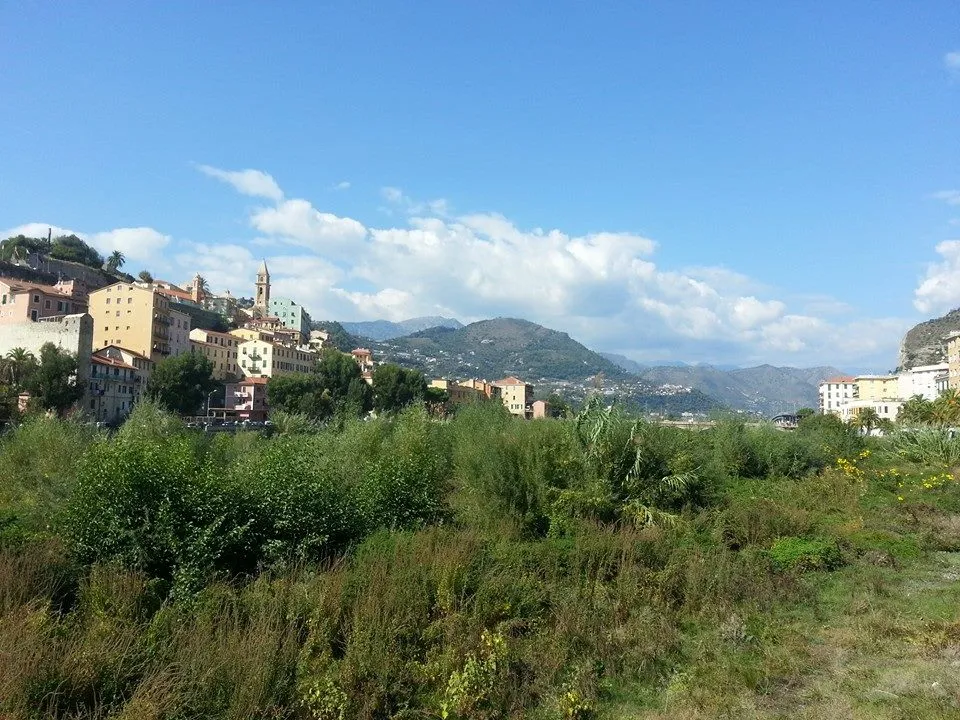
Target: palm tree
115 261
18 364
916 411
203 287
946 408
145 276
868 419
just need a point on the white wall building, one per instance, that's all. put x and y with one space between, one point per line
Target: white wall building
886 409
921 380
834 393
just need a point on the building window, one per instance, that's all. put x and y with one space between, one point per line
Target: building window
36 298
108 301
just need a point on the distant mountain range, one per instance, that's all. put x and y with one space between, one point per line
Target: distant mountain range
552 360
765 389
386 330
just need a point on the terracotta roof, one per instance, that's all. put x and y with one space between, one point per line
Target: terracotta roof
175 293
18 286
111 362
509 381
839 379
360 351
126 350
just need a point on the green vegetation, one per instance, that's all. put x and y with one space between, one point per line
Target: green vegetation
182 383
477 567
335 389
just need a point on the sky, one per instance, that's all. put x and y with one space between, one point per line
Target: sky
729 183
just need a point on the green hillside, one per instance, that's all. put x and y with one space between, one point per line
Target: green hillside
497 348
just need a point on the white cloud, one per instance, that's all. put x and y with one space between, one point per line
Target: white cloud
605 288
248 182
39 230
298 222
952 61
342 185
939 291
950 197
139 244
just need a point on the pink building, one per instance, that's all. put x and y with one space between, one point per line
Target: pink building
25 302
245 400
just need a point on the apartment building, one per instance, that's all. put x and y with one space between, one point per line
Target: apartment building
293 316
220 349
516 395
28 302
263 358
489 390
927 381
834 393
114 386
245 400
886 409
458 394
876 387
140 319
364 358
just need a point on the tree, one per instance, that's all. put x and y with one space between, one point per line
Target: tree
335 387
867 419
53 384
341 376
18 365
202 285
182 383
21 245
395 387
145 276
805 412
916 411
300 394
73 249
946 408
559 407
115 261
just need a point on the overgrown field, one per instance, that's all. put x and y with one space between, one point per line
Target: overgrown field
479 567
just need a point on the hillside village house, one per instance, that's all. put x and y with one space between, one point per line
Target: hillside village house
220 349
516 395
293 316
140 319
458 393
114 388
245 400
25 302
262 358
490 390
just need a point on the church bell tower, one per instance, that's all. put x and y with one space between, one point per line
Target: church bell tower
261 303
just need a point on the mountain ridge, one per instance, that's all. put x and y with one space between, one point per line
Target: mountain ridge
388 330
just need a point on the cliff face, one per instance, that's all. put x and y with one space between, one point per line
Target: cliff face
923 343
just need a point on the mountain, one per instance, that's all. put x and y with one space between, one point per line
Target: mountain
339 337
923 343
765 389
497 348
386 330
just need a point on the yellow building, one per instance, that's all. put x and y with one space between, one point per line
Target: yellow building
876 387
139 319
261 358
246 333
458 394
220 349
516 395
117 379
952 342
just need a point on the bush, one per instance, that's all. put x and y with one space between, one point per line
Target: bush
803 554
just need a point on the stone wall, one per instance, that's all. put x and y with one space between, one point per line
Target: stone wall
73 333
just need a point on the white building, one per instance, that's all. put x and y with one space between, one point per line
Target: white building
886 409
834 393
922 380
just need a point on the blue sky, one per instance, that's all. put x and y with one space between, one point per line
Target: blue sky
706 182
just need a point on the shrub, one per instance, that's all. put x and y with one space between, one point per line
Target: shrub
803 554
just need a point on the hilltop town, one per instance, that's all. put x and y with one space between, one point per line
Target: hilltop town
120 328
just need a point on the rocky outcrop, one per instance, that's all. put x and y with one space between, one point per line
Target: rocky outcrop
923 343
